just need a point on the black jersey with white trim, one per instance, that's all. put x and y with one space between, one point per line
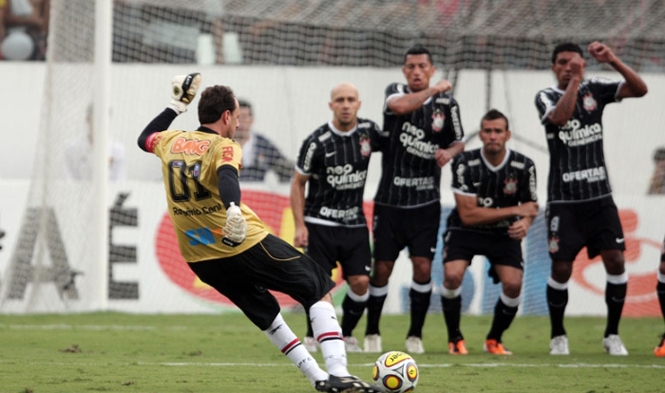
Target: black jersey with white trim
508 184
337 164
577 160
410 176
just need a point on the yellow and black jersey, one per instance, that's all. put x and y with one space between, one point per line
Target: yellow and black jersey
190 160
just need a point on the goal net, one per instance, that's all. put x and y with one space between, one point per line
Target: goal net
283 56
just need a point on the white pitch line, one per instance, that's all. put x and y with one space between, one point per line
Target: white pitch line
425 365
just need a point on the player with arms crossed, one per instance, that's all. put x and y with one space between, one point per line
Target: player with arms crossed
580 208
330 221
424 132
495 197
226 244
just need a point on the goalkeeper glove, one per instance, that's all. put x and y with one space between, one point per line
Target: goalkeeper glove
184 91
235 229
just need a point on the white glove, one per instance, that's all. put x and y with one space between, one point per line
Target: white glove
184 90
235 229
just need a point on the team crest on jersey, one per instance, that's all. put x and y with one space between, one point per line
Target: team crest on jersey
510 185
589 102
553 244
365 148
437 120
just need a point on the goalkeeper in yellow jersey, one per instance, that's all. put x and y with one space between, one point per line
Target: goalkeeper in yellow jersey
226 244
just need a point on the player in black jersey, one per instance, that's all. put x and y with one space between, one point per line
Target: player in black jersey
330 222
424 132
228 246
495 196
660 289
580 209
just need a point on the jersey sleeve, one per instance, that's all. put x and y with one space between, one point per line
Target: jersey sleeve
393 89
606 90
456 132
545 104
308 155
225 152
529 189
462 183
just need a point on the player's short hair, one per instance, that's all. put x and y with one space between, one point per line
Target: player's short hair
242 103
494 114
418 50
214 101
566 47
659 154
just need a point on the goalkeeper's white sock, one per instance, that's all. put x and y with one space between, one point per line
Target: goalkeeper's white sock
329 335
281 335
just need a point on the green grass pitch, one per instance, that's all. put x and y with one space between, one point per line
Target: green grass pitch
112 352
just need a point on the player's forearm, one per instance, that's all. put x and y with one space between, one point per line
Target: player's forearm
484 215
565 107
160 123
297 200
228 185
455 148
634 82
410 102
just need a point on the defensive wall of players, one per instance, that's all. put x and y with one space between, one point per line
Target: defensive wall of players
289 104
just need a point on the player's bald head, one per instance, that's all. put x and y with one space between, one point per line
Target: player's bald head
345 89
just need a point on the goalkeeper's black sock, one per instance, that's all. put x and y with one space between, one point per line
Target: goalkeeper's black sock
420 294
377 297
452 313
557 300
615 297
503 317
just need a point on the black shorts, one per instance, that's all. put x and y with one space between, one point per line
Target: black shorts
395 228
662 252
272 264
499 249
349 246
574 225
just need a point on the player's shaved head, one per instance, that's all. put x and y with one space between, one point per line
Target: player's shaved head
343 88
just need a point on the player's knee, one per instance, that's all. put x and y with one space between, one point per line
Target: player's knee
359 284
512 288
452 281
614 262
561 271
381 272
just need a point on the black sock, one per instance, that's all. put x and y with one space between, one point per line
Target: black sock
419 306
452 313
374 308
615 296
556 302
352 312
310 331
660 289
503 317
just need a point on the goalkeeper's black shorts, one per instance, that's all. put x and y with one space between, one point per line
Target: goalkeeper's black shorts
272 264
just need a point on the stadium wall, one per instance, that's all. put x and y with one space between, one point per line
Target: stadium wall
289 103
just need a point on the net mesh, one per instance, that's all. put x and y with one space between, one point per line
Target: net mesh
462 35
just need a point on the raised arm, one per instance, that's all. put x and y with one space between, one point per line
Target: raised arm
184 88
634 86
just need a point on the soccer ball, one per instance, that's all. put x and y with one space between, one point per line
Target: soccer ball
396 372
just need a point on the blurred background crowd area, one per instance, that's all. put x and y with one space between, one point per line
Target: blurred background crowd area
463 34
